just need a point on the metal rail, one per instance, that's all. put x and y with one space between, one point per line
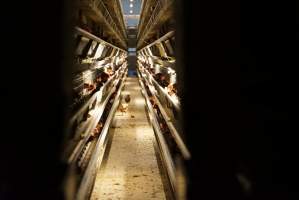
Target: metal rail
91 36
161 39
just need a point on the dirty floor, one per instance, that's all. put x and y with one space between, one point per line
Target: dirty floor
130 170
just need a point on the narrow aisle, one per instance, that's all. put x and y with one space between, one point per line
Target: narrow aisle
131 170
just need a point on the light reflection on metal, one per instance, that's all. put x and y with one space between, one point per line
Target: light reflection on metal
99 50
161 39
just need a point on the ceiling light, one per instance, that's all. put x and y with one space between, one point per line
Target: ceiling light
131 5
131 0
131 11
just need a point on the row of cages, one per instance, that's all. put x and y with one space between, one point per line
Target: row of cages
85 84
96 87
90 49
158 78
96 95
93 79
163 83
88 128
173 150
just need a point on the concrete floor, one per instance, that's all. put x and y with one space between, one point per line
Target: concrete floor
131 169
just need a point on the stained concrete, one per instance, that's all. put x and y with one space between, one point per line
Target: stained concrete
130 170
